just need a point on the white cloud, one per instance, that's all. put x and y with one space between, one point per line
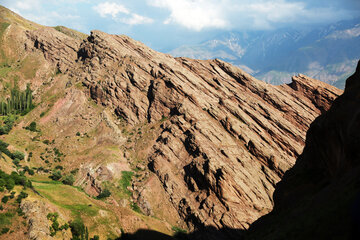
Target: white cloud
136 19
112 9
245 14
193 14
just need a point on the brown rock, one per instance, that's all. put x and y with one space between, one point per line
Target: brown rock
229 137
226 138
319 197
36 212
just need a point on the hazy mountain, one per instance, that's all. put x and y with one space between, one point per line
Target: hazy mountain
328 53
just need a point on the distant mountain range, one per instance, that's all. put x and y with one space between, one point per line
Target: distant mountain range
327 53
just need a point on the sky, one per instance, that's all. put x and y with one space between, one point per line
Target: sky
167 24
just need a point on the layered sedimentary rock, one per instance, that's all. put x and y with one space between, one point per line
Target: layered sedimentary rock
225 138
319 198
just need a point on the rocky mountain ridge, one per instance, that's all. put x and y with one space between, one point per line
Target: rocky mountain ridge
215 139
328 53
201 101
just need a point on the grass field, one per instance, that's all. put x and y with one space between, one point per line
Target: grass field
74 203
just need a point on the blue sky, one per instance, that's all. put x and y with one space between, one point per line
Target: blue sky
166 24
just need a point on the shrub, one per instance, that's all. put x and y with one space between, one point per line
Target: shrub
69 180
78 134
19 155
5 199
32 126
104 194
78 229
10 184
4 230
16 162
2 182
56 175
21 196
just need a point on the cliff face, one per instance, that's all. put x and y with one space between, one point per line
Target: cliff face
219 140
319 196
226 138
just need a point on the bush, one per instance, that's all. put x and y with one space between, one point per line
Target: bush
10 184
19 155
56 175
32 127
104 194
2 182
16 162
5 199
69 180
59 167
21 196
4 230
78 229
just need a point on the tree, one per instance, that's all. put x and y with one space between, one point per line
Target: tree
10 184
78 229
5 199
56 175
32 127
104 194
69 180
2 182
19 155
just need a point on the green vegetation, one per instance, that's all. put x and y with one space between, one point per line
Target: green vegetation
67 197
78 230
32 127
178 230
9 181
69 179
17 156
4 230
8 122
21 196
125 181
55 226
135 207
5 199
104 194
56 175
20 102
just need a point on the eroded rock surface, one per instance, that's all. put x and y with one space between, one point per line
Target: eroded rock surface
319 198
36 212
226 138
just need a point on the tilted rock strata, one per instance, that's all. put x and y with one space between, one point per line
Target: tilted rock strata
226 137
319 197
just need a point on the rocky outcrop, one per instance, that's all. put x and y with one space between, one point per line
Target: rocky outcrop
226 138
58 48
319 198
223 139
36 212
